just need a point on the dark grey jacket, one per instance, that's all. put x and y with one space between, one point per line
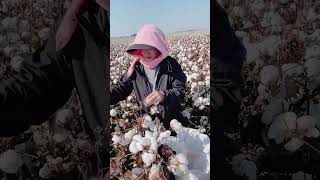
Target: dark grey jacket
171 80
46 78
228 51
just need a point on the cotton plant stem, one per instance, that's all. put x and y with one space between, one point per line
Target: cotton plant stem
311 146
30 155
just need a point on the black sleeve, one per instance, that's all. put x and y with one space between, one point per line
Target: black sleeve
121 90
177 92
31 95
222 32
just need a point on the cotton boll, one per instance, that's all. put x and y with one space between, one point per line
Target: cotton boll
293 145
154 110
273 109
270 45
148 158
117 128
310 14
206 101
130 98
163 135
116 139
124 116
153 127
146 121
154 145
186 114
272 19
155 134
269 74
314 112
257 5
148 134
137 171
202 130
279 128
178 164
198 102
195 76
312 52
139 145
313 70
189 78
262 90
243 165
241 34
292 69
155 172
204 120
145 141
201 83
238 11
307 124
128 135
193 175
201 107
207 83
113 113
133 147
194 85
10 161
253 50
137 137
200 60
16 62
147 118
175 124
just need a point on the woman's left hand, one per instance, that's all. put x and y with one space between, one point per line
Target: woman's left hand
154 98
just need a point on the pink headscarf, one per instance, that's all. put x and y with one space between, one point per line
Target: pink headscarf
149 35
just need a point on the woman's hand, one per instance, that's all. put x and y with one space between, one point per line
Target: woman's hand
154 98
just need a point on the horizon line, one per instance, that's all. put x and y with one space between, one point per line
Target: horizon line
126 36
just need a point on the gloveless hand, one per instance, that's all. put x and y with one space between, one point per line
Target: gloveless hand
154 98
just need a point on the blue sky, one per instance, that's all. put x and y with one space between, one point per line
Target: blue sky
127 16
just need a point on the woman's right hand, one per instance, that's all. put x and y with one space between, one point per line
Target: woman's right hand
154 98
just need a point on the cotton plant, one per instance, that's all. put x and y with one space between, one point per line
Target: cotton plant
201 102
244 165
155 146
290 130
113 113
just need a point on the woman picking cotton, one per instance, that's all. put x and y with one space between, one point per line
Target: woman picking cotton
156 78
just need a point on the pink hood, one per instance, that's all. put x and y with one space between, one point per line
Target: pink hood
149 35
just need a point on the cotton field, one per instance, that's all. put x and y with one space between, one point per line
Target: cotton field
280 104
141 146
